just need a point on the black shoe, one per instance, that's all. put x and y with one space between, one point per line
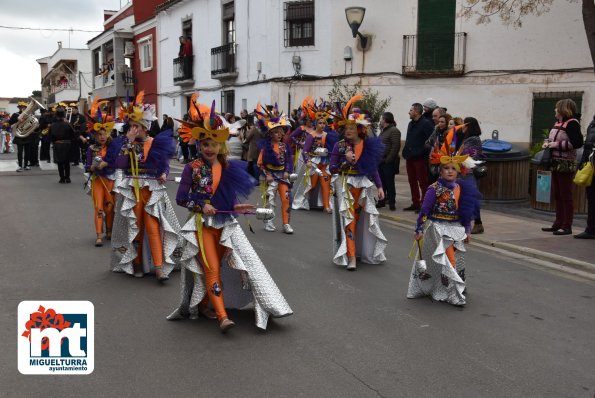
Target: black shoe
67 180
380 204
584 235
549 229
392 207
563 232
62 181
411 208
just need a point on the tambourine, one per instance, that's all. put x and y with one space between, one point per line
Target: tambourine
97 161
264 214
321 151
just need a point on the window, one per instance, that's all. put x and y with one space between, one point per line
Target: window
227 101
436 34
299 23
229 28
145 47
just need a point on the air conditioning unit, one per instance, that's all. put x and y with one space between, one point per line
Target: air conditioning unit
128 48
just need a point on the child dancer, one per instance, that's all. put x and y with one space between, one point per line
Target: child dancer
101 180
354 163
211 188
444 224
276 164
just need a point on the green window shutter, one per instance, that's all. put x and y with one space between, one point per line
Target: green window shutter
435 30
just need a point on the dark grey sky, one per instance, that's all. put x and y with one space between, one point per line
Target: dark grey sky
19 72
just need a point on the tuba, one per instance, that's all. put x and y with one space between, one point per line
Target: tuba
27 121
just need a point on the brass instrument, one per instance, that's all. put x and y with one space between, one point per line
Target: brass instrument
27 121
68 114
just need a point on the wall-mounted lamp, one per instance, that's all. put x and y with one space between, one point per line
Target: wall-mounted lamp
355 17
296 60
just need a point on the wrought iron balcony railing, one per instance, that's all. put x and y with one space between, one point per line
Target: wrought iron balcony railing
223 61
183 67
428 55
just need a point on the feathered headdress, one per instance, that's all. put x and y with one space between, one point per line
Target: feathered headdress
315 111
97 120
448 153
136 111
203 123
349 115
270 119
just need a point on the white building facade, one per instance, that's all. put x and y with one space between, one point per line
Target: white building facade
266 51
66 75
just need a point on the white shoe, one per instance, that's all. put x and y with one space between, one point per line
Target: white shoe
287 229
351 265
269 226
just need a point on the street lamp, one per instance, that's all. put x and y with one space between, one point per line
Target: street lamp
355 16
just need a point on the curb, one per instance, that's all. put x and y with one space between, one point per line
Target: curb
507 249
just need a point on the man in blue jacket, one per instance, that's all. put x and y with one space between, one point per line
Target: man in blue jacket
416 155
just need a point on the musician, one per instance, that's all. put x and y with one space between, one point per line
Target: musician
45 121
23 143
142 207
211 189
61 136
79 146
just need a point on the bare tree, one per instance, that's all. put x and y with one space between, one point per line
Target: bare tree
512 12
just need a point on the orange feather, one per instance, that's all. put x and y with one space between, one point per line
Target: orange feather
139 97
350 103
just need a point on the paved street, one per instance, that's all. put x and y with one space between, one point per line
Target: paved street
525 332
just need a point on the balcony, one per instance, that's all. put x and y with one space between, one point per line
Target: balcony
183 71
65 85
128 77
434 55
223 62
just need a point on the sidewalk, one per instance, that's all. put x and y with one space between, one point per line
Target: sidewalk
513 228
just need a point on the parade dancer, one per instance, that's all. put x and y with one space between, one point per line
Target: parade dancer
314 181
211 187
144 215
354 163
444 223
275 162
101 179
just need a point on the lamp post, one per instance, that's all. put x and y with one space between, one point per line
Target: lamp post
355 17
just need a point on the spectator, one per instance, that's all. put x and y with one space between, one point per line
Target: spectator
472 147
589 232
436 113
437 138
187 53
565 137
428 107
416 155
164 125
455 121
389 165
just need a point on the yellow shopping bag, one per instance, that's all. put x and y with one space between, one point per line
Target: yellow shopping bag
584 177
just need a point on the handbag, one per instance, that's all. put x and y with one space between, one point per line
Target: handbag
546 158
584 177
480 170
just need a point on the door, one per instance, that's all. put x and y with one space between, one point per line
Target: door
436 35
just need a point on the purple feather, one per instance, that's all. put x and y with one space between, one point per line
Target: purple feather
468 199
371 156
